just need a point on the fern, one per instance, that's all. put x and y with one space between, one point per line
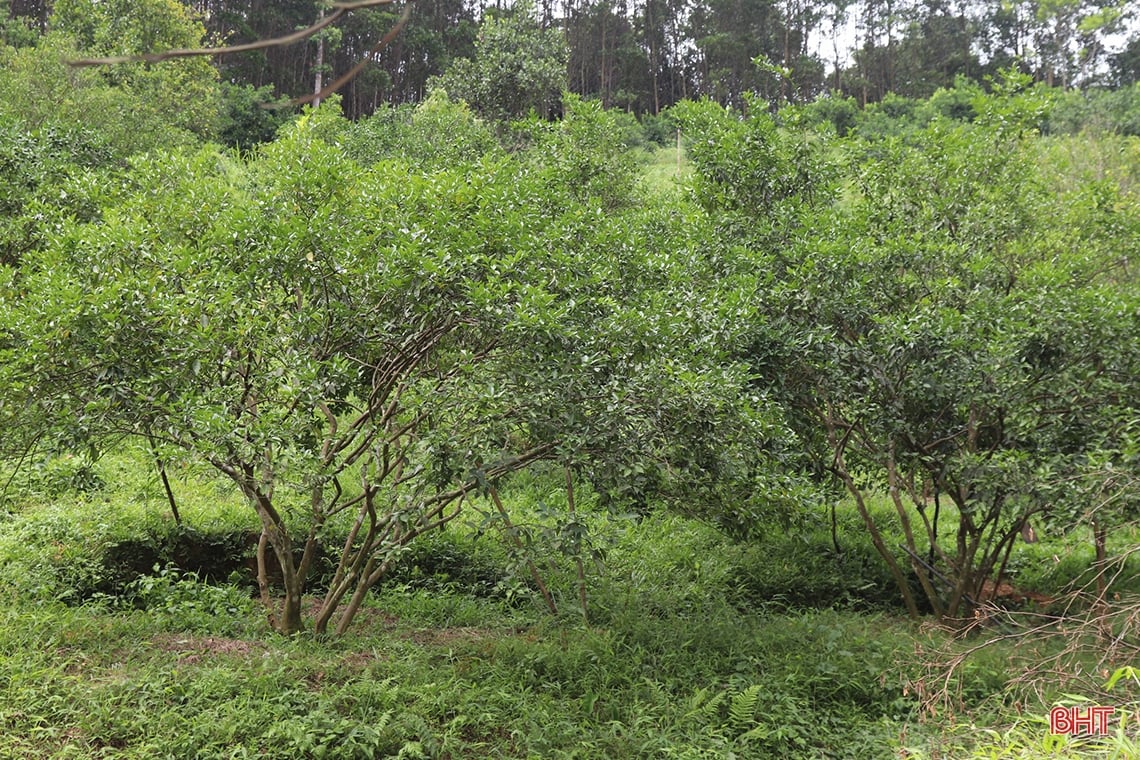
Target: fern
412 750
701 707
742 708
759 732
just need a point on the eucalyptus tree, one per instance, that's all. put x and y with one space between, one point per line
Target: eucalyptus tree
605 59
729 37
438 33
1062 42
285 68
938 48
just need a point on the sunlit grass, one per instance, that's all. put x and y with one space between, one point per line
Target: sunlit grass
666 170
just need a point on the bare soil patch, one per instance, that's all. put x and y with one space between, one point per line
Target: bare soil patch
196 648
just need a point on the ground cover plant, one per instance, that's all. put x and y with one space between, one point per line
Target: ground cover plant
181 667
681 656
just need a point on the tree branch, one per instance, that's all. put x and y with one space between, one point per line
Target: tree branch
341 9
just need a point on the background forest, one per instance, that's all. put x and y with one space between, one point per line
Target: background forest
639 56
567 384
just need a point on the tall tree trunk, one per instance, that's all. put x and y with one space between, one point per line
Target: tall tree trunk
319 66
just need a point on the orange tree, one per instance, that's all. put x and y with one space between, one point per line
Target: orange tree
941 322
362 349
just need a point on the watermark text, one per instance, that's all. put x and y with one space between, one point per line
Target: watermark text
1080 720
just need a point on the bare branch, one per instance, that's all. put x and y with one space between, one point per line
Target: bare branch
349 75
340 9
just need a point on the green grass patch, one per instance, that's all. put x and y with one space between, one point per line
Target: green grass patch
697 646
665 170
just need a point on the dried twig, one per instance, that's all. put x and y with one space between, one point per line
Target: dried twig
1074 648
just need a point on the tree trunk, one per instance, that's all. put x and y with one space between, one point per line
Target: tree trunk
166 487
1100 564
908 533
510 530
578 554
319 66
289 620
263 578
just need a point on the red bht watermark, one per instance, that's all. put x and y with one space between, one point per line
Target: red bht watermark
1080 720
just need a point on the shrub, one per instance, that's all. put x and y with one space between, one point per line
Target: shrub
183 602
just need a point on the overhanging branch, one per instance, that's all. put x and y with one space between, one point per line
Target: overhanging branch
339 10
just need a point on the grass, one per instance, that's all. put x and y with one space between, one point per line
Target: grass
81 682
665 171
696 647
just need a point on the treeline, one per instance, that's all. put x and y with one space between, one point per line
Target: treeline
645 55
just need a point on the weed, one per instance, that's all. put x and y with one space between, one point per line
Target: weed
686 654
182 601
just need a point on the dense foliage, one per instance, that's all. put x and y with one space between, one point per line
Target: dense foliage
383 342
853 358
943 320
